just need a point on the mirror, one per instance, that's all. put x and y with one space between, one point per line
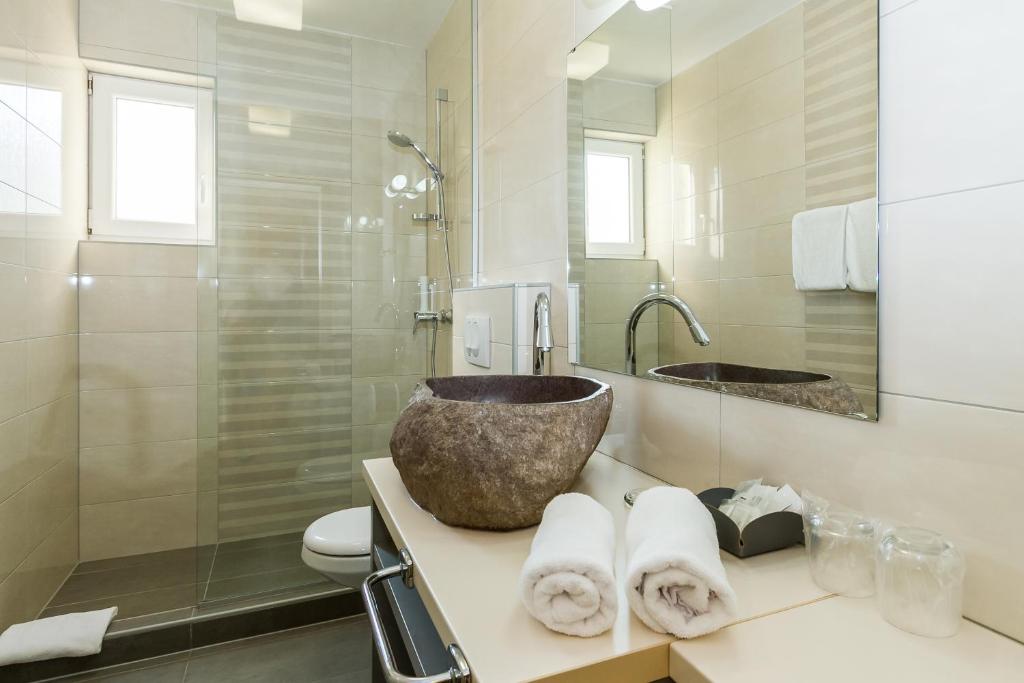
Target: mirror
722 199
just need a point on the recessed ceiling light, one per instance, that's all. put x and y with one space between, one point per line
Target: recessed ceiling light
648 5
587 59
279 13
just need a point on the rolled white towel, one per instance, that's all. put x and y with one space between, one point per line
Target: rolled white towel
66 635
675 579
568 581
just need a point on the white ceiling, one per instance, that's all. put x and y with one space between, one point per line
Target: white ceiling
408 22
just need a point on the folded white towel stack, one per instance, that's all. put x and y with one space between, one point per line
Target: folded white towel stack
67 635
675 581
862 246
568 581
819 249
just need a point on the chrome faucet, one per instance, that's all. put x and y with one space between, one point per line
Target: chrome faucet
696 331
543 342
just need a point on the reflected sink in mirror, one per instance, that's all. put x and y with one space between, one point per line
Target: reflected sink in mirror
812 390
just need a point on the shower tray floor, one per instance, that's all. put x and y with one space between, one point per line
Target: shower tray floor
173 582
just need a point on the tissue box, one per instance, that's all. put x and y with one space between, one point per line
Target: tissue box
774 531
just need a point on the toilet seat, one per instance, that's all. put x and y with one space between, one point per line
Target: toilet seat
345 533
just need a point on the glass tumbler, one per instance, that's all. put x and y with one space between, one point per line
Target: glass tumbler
920 580
841 553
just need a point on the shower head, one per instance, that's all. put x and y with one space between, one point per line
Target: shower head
399 139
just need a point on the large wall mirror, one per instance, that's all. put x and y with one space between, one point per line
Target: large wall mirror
722 199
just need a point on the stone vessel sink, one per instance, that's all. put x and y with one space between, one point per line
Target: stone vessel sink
794 387
490 451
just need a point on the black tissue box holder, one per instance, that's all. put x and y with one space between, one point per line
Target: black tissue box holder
774 531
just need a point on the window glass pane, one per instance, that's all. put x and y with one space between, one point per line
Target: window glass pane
154 165
608 201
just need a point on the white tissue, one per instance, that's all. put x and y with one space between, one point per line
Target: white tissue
753 499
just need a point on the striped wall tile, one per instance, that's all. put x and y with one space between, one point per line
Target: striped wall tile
283 99
257 251
279 508
307 53
284 152
280 355
284 202
284 406
284 304
277 458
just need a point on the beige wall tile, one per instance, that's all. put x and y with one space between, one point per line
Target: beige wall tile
534 145
388 257
501 360
771 97
121 258
128 472
388 66
685 350
138 304
52 368
27 590
768 200
125 360
128 416
764 346
52 303
379 400
966 454
16 465
697 259
698 127
650 421
697 216
774 148
137 526
703 298
778 42
696 86
536 63
13 302
762 301
696 170
13 379
758 252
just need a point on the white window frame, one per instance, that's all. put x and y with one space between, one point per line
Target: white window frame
103 225
634 151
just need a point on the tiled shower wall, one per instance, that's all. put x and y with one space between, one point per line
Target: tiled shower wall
450 67
781 120
317 268
42 217
147 455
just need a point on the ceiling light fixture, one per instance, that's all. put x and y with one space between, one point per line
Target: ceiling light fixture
279 13
587 59
648 5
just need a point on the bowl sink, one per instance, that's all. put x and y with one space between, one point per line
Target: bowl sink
491 451
812 390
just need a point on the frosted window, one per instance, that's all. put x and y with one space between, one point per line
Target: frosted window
154 162
608 198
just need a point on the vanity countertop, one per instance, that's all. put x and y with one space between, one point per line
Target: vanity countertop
843 640
468 581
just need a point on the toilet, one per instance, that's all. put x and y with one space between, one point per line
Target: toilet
338 546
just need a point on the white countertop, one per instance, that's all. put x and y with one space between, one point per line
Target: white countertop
468 581
844 640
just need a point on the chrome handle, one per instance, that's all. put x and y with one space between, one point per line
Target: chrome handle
458 673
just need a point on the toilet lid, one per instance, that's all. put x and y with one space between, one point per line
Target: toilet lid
344 533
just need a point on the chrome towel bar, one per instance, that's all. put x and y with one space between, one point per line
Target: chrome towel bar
458 673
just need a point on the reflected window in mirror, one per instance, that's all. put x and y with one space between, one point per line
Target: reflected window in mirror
615 198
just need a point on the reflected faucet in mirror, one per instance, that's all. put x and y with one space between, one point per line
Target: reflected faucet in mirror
696 330
543 342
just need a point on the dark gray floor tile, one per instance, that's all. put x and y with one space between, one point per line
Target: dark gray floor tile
266 582
260 542
176 570
333 651
173 672
136 560
229 564
135 604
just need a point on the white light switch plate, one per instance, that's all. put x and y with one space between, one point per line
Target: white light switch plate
477 336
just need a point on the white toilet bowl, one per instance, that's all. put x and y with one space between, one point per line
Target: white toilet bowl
338 546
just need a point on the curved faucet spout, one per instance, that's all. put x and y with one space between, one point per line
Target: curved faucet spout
696 330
